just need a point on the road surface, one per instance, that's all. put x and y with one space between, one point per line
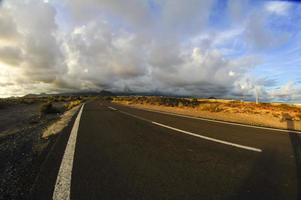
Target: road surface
118 152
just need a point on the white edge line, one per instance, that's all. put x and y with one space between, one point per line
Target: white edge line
209 138
196 135
221 122
112 108
63 181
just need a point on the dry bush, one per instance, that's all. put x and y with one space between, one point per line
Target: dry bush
107 98
297 117
47 108
216 105
28 101
213 107
286 117
72 104
234 104
277 115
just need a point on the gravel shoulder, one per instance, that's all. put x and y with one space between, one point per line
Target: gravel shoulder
22 147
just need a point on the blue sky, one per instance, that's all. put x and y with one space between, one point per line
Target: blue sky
219 48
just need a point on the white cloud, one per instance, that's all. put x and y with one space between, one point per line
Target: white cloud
278 7
288 92
96 55
124 45
231 73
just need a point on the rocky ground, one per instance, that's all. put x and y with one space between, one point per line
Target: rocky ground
22 149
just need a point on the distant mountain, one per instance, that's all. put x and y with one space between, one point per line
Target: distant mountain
106 93
37 95
83 93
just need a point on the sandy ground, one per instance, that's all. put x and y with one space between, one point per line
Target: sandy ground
260 119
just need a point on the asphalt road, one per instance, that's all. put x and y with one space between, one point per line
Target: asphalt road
126 153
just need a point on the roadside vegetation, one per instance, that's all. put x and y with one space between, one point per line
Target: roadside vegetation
72 104
4 103
281 111
48 105
47 108
160 101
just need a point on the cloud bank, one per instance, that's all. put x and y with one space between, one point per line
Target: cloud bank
200 48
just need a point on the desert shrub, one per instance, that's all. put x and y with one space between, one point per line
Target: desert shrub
50 99
27 101
108 98
72 104
67 98
163 101
276 115
194 102
212 108
234 104
285 106
264 105
47 108
298 116
180 104
57 99
286 117
171 102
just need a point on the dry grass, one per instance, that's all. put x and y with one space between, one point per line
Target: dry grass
276 110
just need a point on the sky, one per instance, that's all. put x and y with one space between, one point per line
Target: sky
221 48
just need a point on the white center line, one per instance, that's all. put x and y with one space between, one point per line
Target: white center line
209 138
63 181
196 135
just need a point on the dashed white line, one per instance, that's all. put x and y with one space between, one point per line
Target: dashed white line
209 138
135 116
112 108
63 181
196 135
